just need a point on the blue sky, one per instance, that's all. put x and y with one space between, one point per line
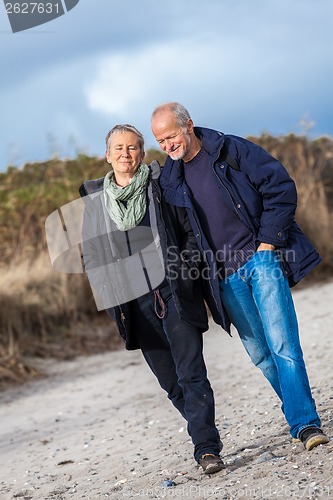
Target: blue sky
238 66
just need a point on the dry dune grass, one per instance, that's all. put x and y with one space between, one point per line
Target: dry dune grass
33 301
44 313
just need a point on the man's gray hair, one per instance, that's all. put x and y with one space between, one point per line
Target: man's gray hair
178 110
125 128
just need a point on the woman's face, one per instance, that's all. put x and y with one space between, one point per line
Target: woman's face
124 154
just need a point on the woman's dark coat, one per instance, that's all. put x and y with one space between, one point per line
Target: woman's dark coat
172 239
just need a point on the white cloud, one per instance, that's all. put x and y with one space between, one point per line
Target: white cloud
126 80
209 73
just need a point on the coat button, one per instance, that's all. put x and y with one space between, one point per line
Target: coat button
222 166
279 234
238 205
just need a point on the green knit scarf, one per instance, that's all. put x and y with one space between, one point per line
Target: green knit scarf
130 214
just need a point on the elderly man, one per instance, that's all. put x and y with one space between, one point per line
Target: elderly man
241 204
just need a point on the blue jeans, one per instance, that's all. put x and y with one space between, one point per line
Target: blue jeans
258 301
173 350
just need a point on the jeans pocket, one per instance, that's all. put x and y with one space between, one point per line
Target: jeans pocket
265 255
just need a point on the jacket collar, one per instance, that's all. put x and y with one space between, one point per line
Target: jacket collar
212 140
172 177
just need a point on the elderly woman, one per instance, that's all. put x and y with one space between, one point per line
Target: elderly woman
151 295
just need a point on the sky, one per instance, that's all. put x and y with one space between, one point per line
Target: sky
239 66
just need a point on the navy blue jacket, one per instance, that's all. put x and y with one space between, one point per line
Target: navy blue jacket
260 191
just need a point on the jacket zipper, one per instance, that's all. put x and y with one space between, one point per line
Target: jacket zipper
236 208
227 190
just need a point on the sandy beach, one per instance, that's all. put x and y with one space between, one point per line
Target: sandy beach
100 427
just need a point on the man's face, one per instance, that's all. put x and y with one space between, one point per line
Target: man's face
124 153
172 138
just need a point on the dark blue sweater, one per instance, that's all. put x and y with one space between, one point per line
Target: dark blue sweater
231 241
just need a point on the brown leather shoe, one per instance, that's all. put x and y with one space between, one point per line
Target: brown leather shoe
211 463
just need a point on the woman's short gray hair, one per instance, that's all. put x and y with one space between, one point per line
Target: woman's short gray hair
125 128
